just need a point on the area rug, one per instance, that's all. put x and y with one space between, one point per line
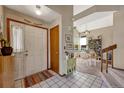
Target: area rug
36 78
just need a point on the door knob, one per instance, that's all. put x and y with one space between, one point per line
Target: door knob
57 53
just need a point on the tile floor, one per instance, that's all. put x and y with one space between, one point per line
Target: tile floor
85 66
77 80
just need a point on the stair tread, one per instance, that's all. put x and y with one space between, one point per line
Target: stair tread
118 76
118 72
112 81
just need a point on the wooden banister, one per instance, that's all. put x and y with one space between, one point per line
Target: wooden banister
106 50
109 48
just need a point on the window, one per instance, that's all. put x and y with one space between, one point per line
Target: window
83 42
17 39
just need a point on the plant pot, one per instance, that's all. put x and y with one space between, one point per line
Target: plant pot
6 51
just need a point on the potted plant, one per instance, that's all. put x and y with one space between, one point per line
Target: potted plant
6 48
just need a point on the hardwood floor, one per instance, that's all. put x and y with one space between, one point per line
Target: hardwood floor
34 79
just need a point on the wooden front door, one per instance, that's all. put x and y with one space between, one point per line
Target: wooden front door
54 48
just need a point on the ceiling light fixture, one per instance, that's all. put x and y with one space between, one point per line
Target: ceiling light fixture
38 11
86 30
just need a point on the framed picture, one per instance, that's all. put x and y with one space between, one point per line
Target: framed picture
69 46
68 38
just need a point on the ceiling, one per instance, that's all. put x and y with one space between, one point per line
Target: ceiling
47 15
95 20
80 8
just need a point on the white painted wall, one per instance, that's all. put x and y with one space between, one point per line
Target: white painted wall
66 12
97 24
76 37
107 35
101 23
1 10
2 16
118 38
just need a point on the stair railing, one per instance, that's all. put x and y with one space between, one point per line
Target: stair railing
106 50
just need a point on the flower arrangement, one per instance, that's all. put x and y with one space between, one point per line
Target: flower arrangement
6 49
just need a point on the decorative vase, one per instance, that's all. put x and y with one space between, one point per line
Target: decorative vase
6 51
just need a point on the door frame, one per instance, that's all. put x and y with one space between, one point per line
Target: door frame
8 20
50 47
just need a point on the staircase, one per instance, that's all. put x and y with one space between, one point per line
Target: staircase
107 61
114 78
118 75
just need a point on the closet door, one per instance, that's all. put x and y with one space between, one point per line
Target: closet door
36 47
